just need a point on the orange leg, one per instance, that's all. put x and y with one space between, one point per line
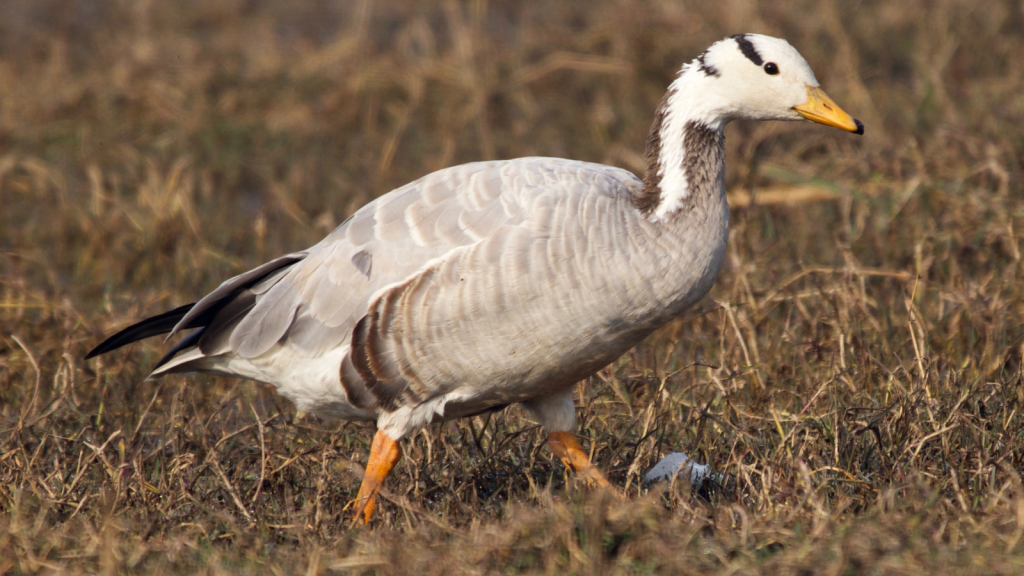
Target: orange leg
384 452
569 451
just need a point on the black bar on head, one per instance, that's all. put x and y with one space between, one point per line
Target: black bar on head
747 47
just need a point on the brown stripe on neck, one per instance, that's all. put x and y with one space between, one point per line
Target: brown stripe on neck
703 161
647 200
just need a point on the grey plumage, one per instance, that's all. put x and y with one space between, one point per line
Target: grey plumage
363 262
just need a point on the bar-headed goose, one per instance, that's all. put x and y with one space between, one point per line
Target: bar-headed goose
492 283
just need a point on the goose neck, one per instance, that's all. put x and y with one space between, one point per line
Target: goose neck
685 152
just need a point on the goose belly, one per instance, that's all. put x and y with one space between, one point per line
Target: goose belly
312 383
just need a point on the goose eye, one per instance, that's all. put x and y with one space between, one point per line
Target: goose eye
771 68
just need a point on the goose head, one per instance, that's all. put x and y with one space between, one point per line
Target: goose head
743 77
756 77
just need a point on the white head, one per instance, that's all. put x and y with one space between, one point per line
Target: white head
743 77
756 77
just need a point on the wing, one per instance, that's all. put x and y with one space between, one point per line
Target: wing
312 304
315 305
533 301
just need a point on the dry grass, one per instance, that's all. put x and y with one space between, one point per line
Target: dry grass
855 376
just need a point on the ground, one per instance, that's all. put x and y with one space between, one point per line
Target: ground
854 378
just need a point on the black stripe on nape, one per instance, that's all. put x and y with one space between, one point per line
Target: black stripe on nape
648 198
747 47
707 69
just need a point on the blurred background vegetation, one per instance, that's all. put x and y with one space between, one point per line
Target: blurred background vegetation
855 374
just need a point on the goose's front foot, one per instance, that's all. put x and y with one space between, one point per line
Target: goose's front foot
384 453
568 449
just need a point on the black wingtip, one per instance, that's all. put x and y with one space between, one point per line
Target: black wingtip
860 127
160 324
108 345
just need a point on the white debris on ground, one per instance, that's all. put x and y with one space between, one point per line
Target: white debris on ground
678 463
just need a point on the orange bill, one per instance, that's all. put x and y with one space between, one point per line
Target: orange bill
821 109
